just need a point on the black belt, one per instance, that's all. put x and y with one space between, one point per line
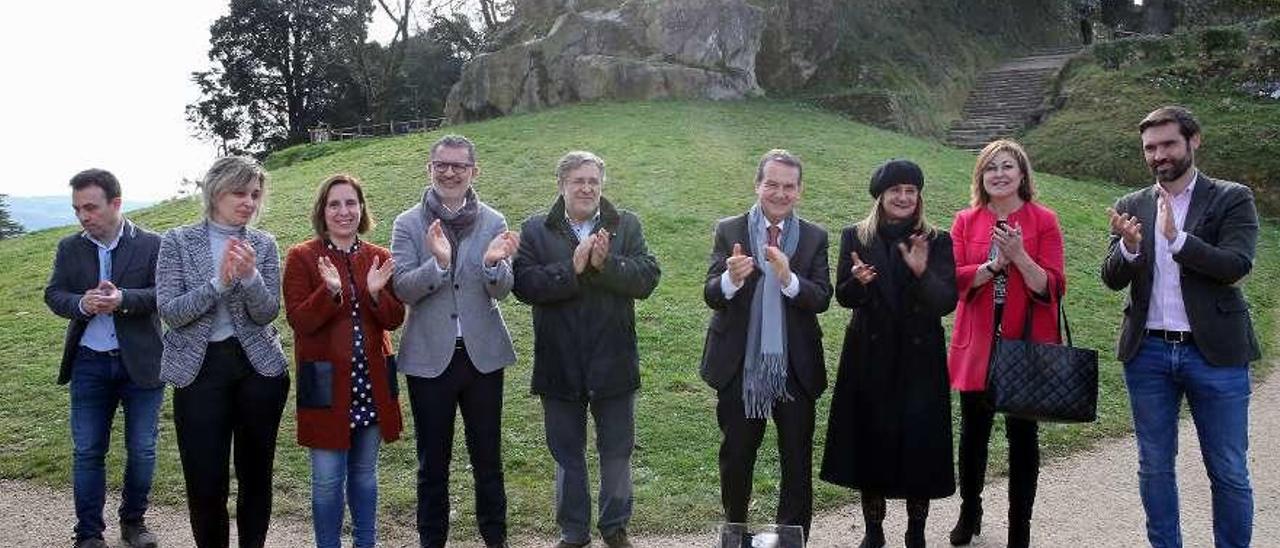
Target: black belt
1171 337
113 353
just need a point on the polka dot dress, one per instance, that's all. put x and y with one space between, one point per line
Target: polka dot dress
363 412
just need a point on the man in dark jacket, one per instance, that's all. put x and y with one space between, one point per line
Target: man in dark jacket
582 266
766 285
103 281
1183 247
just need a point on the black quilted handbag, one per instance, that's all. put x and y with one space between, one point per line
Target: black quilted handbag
1042 381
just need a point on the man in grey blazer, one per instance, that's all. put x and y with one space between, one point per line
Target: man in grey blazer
453 265
1183 246
103 281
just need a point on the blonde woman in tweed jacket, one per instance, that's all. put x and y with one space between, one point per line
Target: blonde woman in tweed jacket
218 290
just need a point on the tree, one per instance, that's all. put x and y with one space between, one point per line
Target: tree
1159 16
378 70
279 66
9 228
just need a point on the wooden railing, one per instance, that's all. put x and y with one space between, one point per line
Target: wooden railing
324 133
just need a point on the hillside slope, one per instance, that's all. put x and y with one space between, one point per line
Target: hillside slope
679 166
1228 76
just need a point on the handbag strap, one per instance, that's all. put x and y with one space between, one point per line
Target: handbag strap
1062 319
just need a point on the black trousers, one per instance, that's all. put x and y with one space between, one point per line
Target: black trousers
434 403
976 418
740 442
228 401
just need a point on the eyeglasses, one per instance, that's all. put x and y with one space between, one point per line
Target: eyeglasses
444 167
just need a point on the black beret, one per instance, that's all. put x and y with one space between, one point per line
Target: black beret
895 172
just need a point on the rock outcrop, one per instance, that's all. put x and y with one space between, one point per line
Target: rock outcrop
644 49
799 37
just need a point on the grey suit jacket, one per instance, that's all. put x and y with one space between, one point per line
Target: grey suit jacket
187 302
1222 232
133 269
437 301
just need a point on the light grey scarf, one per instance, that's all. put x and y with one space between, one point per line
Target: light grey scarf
764 373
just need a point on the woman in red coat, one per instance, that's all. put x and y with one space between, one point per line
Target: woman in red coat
338 300
1005 245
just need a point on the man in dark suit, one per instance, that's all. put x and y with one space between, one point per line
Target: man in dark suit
767 283
103 280
1182 247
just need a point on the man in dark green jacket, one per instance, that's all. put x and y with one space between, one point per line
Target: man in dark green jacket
582 266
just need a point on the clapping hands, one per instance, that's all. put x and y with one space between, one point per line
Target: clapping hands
379 274
1008 241
439 246
863 272
593 250
238 263
104 299
1129 229
916 255
503 246
739 265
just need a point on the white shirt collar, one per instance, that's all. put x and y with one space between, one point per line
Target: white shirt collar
114 241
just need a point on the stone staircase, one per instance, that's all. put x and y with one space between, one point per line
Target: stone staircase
1008 98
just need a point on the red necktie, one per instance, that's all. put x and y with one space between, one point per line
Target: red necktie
774 231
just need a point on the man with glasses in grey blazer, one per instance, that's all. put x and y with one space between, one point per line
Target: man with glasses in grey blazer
453 265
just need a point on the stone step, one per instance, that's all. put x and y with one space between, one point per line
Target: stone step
1010 97
983 129
978 135
999 108
992 121
1019 72
1038 92
1020 85
997 102
1011 87
1006 110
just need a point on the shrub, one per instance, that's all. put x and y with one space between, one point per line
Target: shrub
1270 29
1223 41
1155 50
1113 55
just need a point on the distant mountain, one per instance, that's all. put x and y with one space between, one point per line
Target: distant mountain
39 212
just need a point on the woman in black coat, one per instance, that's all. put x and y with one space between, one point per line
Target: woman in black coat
889 435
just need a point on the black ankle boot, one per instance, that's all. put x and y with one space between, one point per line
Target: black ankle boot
873 516
969 525
917 514
874 537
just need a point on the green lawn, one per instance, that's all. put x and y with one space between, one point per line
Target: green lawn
679 166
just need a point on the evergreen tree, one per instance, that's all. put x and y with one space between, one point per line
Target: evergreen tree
8 227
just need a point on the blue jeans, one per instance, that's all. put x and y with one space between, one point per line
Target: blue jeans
1157 378
100 383
358 469
566 428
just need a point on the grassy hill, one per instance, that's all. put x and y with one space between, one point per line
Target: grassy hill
679 166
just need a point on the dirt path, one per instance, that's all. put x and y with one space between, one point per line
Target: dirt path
1090 499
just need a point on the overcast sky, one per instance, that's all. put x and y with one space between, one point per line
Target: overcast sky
102 83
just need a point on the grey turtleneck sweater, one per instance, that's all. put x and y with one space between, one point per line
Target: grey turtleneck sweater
220 236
